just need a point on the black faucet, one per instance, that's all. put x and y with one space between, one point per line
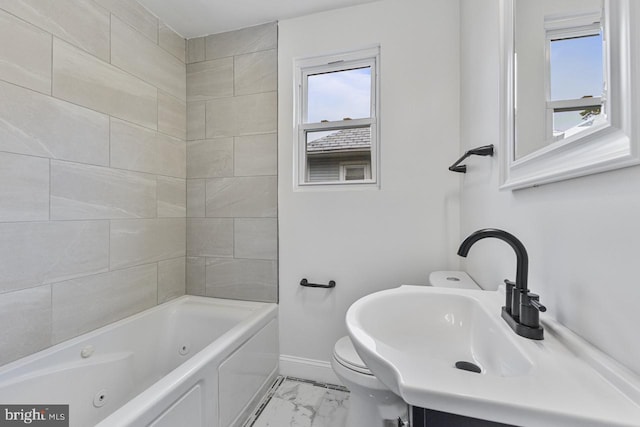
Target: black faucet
521 310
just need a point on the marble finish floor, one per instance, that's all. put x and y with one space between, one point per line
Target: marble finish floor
294 402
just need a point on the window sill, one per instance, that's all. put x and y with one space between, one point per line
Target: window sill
337 186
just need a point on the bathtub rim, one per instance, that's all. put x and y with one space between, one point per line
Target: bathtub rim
220 348
257 305
140 407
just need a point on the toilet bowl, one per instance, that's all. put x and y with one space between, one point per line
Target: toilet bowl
370 401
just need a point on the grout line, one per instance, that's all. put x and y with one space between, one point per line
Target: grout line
58 99
109 138
157 264
204 289
110 35
51 312
75 162
51 88
50 188
109 244
205 119
233 238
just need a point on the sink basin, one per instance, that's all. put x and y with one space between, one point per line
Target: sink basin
449 350
439 330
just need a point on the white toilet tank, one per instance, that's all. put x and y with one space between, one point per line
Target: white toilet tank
452 279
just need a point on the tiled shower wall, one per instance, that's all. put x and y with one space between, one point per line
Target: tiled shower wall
92 167
232 164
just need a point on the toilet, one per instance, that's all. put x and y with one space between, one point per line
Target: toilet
371 403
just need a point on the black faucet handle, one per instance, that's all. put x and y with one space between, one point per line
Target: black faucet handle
530 308
534 300
509 287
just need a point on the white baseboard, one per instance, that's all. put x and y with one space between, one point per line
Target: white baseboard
308 369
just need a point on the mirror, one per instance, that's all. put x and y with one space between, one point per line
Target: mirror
569 70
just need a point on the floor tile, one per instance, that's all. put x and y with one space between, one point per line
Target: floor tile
294 402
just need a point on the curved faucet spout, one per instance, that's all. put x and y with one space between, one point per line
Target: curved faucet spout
522 259
521 308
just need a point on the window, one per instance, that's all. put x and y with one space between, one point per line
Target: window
337 118
355 171
575 74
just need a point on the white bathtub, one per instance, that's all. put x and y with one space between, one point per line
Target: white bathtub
193 361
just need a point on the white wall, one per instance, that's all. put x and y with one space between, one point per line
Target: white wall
582 235
369 240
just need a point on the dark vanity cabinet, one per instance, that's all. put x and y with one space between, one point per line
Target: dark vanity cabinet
421 417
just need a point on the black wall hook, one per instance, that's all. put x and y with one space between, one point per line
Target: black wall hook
486 150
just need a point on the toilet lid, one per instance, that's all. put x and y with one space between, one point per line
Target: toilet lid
345 353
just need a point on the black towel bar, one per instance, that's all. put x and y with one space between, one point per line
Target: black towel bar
305 282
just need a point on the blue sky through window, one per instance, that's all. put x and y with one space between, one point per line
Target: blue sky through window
335 96
576 67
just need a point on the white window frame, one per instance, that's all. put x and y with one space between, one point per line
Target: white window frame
351 164
368 57
611 146
562 27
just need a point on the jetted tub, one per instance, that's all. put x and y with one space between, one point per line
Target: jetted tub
190 362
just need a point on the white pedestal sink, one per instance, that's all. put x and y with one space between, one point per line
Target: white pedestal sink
411 338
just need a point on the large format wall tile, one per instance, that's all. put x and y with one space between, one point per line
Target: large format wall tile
246 40
171 279
79 22
220 118
23 314
256 72
256 238
92 167
232 164
140 149
195 120
35 253
25 54
172 42
82 305
255 114
195 50
210 237
210 79
195 274
24 188
94 192
256 155
138 55
196 198
141 241
242 115
242 197
39 125
209 158
83 79
134 14
172 197
172 115
242 279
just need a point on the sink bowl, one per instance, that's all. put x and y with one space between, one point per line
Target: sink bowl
438 330
449 350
